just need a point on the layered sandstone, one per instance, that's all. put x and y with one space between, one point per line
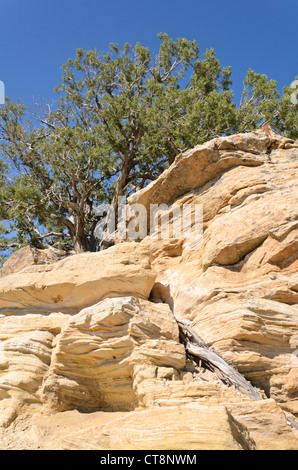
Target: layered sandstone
91 349
79 281
239 287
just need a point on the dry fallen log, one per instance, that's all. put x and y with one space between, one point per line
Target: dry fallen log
292 422
199 351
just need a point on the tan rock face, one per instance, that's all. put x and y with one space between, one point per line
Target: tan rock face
91 356
80 280
191 427
239 288
100 351
37 301
26 343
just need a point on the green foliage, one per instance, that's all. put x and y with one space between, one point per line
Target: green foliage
287 118
261 104
121 118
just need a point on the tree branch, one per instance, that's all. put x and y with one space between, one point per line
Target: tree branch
198 349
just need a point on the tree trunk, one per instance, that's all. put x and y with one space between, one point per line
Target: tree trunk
198 350
79 239
120 189
92 242
119 192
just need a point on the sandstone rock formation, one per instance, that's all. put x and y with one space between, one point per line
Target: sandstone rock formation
92 354
29 256
244 275
79 281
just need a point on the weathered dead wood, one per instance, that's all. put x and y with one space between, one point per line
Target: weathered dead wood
292 422
199 351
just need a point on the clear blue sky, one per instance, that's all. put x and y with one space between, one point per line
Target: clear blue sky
38 36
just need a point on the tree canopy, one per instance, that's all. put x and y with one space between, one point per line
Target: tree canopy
120 118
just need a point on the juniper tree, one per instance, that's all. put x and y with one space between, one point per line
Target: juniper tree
262 104
121 117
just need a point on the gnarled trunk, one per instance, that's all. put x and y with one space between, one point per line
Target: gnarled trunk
79 237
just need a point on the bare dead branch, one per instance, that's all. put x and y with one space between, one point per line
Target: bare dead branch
197 348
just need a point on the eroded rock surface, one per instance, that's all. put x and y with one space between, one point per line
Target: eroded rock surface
91 343
239 287
102 351
79 281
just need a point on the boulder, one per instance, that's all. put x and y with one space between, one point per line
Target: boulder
79 280
28 256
